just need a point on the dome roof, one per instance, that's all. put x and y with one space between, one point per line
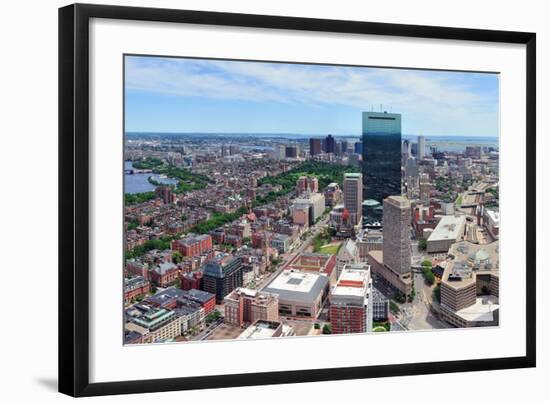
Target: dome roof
480 256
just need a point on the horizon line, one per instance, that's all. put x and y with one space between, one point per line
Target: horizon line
293 133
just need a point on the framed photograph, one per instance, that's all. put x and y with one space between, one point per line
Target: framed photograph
252 199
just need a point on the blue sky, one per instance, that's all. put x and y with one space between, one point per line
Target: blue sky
195 95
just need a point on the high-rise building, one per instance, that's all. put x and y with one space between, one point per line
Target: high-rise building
330 144
338 148
425 186
280 152
406 149
358 147
305 183
292 151
421 147
350 308
381 161
314 146
353 196
397 234
344 145
222 275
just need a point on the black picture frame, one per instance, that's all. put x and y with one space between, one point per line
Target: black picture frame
74 198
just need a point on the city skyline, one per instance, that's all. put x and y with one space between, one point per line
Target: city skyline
181 95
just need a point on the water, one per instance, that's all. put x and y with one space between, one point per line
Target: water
136 183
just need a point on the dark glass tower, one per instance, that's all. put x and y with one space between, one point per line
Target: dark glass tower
330 144
381 162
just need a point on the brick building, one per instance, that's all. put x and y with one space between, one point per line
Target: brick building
244 306
193 245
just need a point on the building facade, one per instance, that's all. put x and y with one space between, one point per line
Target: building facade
381 161
222 275
245 306
397 236
353 196
350 308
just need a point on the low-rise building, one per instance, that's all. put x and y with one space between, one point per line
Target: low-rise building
244 306
470 285
165 274
193 245
135 287
301 295
281 242
310 262
155 324
448 231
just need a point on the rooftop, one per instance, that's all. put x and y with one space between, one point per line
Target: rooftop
298 285
352 283
448 228
481 311
261 329
467 260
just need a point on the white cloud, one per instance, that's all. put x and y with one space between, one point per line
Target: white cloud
432 100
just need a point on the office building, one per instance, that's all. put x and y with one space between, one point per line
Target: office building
345 146
397 234
353 196
425 188
330 144
470 285
153 324
221 275
381 162
292 152
350 308
421 147
316 203
315 146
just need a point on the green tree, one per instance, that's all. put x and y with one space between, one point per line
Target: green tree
213 316
428 275
316 326
177 257
327 328
422 244
426 263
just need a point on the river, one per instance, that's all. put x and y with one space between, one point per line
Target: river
135 183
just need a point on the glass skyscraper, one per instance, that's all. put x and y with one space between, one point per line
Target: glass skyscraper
381 162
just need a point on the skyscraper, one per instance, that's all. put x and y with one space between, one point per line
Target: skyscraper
330 144
344 146
421 147
381 161
314 146
397 234
353 196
